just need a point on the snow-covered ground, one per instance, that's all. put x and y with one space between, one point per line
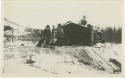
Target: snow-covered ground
61 60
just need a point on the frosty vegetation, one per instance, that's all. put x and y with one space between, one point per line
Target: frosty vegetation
112 34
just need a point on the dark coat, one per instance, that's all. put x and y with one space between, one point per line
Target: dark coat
60 33
47 33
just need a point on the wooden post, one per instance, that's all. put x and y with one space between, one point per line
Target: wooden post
12 35
92 36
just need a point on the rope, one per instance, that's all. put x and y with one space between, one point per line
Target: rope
12 22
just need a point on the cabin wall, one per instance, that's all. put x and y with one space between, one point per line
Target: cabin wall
77 35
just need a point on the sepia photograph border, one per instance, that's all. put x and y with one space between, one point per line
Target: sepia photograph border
122 75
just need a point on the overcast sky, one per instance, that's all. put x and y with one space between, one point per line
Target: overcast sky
39 13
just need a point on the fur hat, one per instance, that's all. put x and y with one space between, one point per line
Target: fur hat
59 25
47 26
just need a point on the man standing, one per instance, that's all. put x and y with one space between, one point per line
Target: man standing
47 35
53 36
59 35
83 21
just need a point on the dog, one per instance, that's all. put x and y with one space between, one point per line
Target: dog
116 63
